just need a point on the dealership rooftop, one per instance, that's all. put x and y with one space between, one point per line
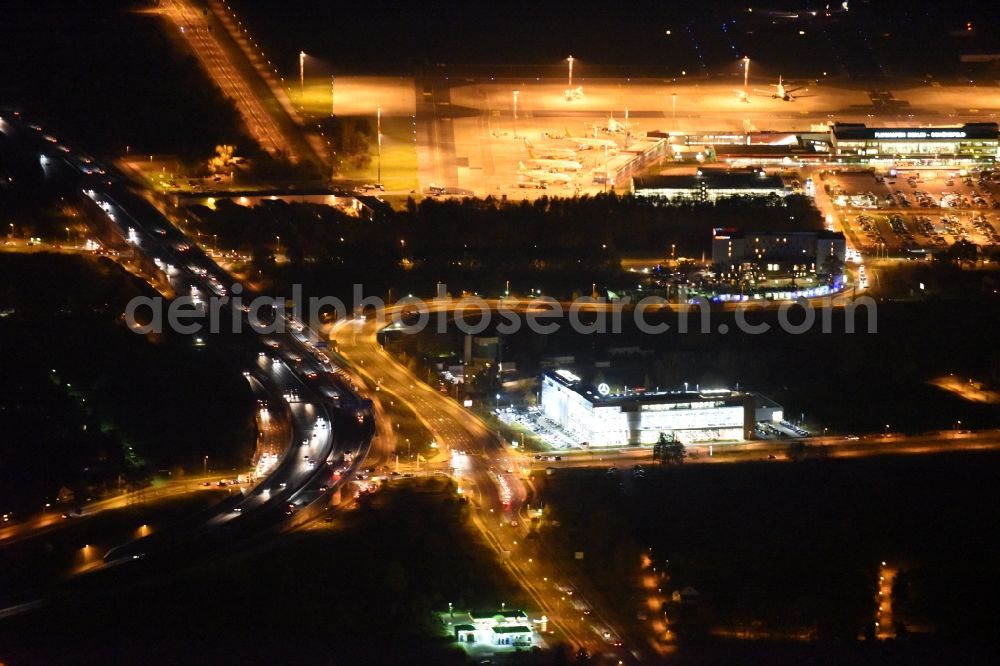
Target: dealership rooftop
601 395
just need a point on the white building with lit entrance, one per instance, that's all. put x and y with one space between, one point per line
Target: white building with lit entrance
496 627
599 417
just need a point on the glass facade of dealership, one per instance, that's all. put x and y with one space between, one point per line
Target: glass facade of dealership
974 142
593 415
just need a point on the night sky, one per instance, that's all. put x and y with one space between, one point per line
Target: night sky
706 37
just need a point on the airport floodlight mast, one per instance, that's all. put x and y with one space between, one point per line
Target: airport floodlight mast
333 97
606 171
378 132
302 75
516 93
746 70
571 92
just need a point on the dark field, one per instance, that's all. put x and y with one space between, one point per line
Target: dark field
874 39
106 76
796 547
85 401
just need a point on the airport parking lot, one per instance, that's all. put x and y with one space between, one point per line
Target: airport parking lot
916 209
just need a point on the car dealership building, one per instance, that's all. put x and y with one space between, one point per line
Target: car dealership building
600 417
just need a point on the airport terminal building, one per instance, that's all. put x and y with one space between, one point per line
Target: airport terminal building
601 418
710 185
972 142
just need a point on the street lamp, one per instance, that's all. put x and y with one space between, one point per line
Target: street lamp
570 60
205 466
302 75
886 429
378 130
277 244
516 93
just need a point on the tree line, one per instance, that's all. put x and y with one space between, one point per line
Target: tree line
563 245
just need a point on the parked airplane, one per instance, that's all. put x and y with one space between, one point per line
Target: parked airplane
543 176
588 143
554 164
551 152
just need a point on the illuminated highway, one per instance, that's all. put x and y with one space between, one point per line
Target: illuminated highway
775 450
488 471
328 420
38 525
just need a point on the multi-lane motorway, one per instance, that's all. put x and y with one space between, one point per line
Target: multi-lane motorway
329 420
